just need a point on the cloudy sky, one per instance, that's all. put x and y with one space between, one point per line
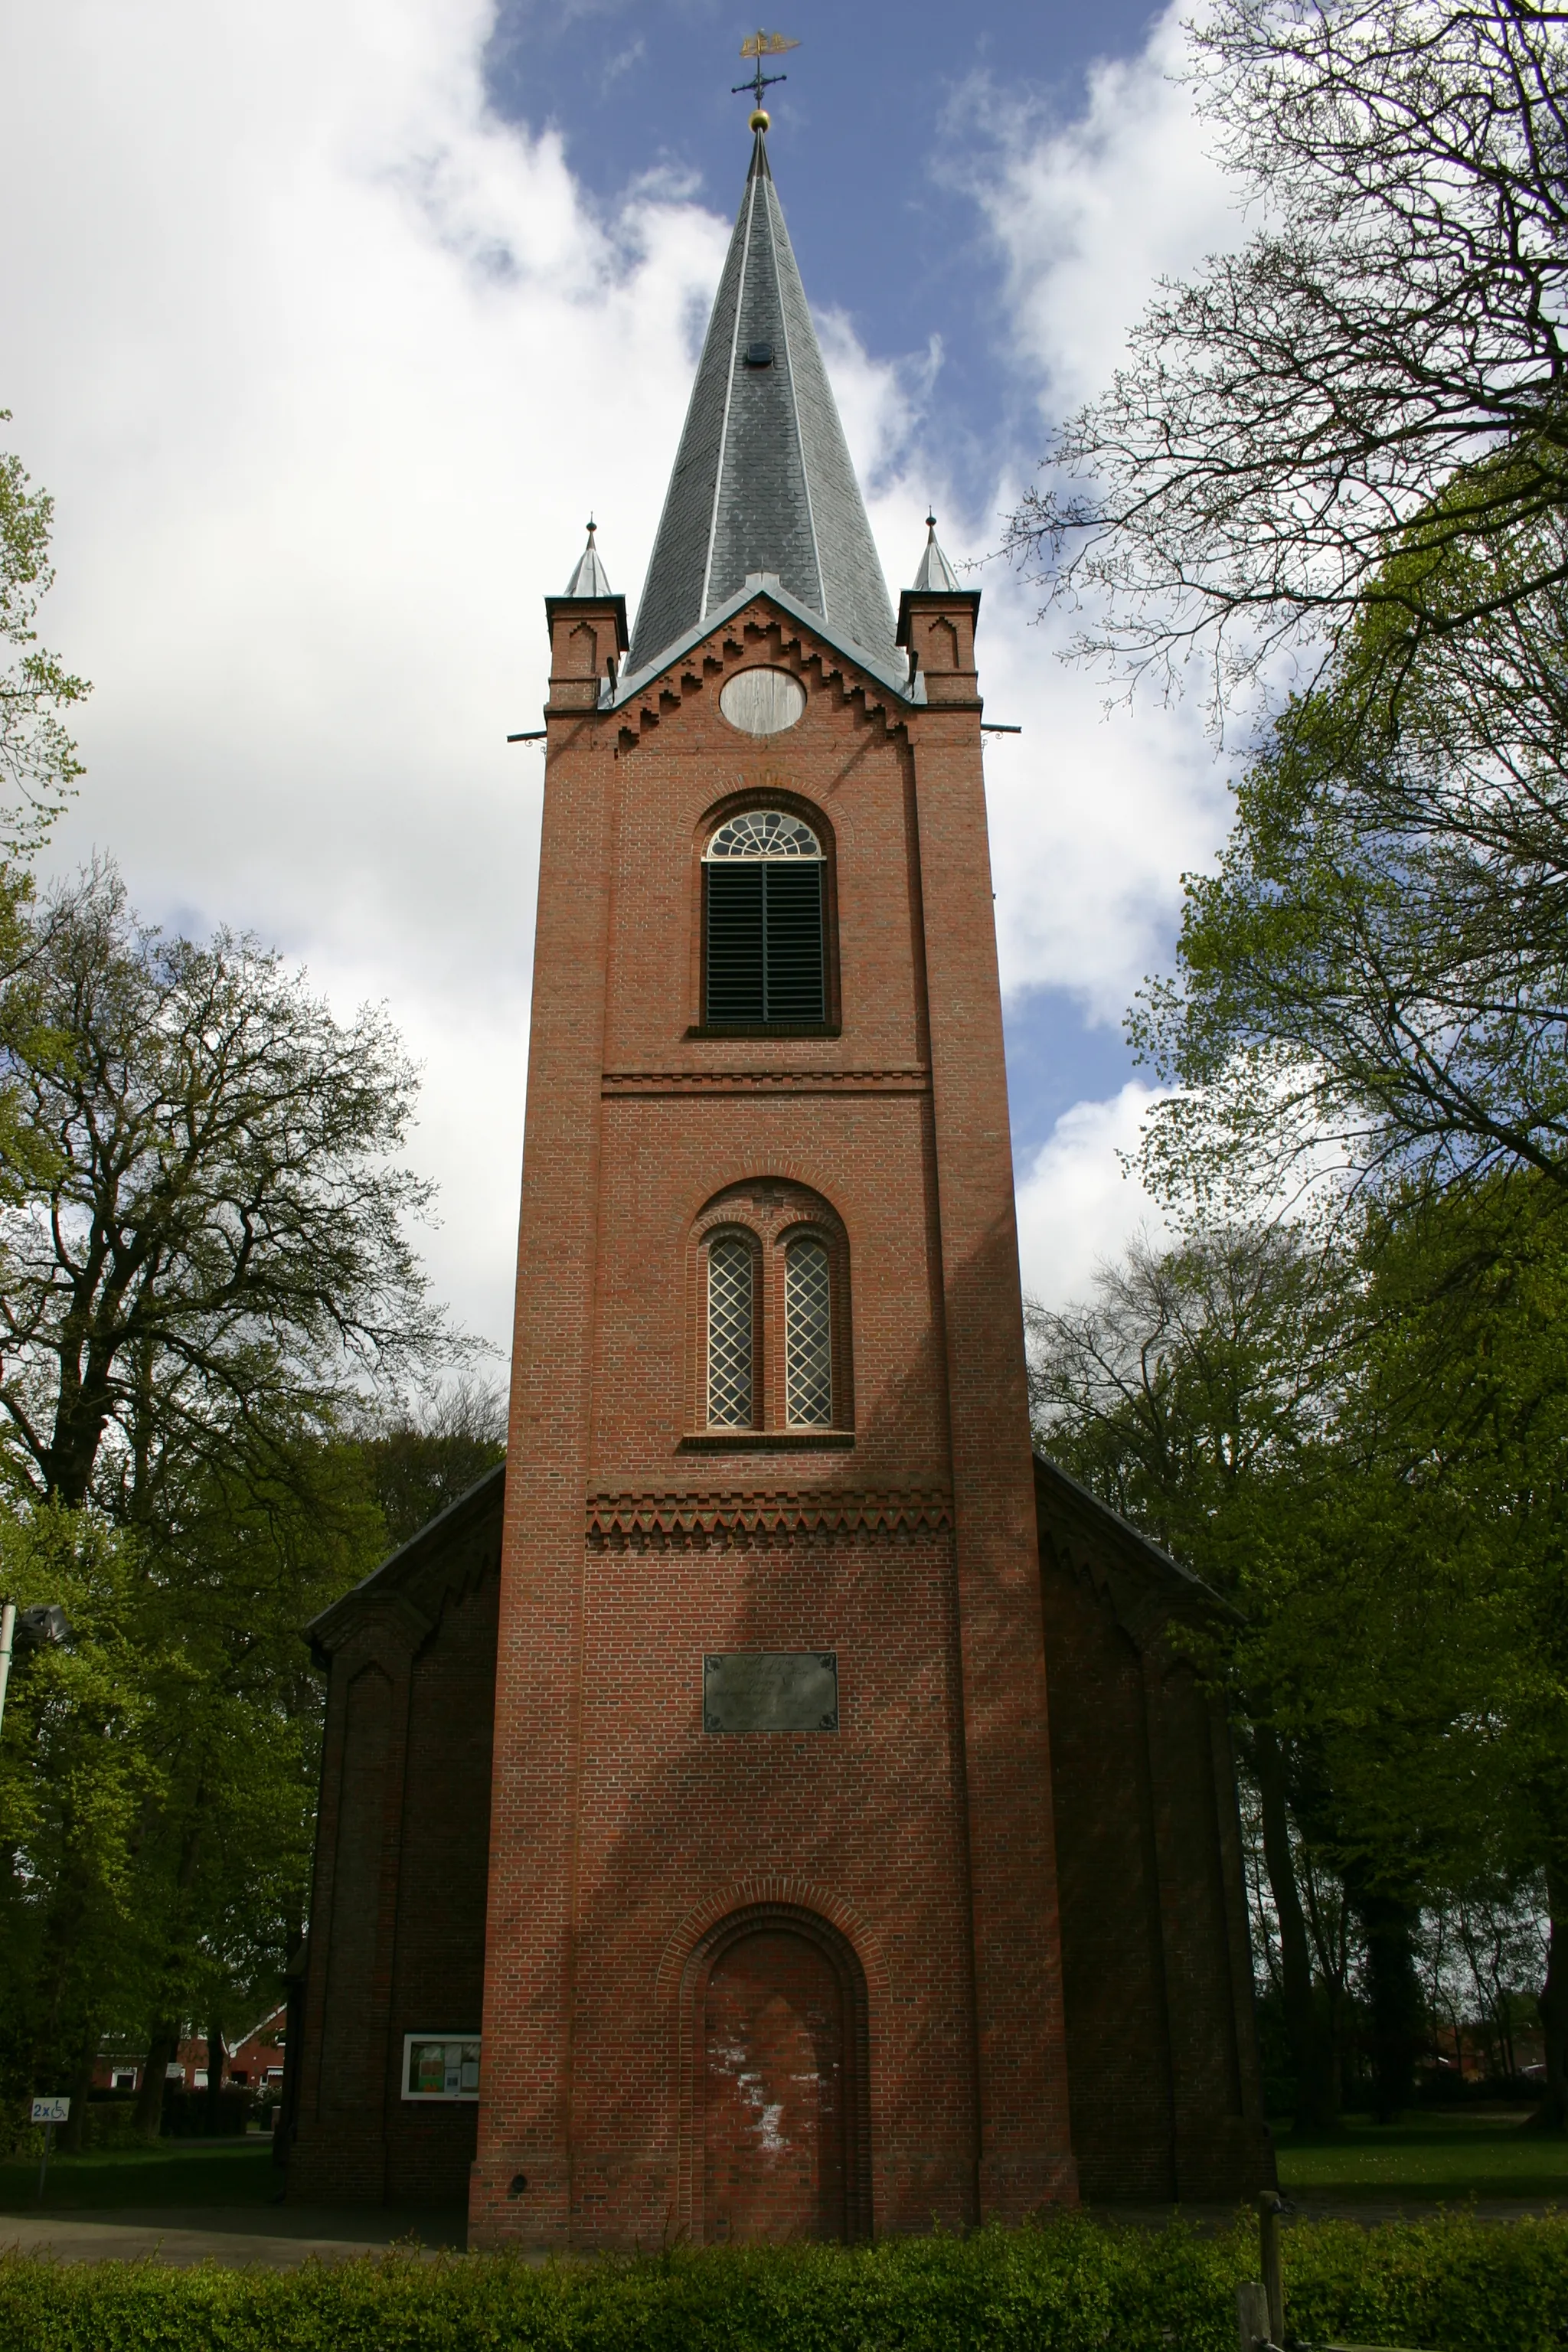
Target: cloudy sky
327 323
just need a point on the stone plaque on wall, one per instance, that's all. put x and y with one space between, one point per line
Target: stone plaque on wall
770 1690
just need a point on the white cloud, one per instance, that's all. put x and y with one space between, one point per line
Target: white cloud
1098 807
325 366
1090 212
1076 1206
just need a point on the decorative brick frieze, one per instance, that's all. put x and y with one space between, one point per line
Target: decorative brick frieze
759 633
759 1522
775 1081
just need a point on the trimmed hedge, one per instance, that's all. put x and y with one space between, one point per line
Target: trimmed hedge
1454 2284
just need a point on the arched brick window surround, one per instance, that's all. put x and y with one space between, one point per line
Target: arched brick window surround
772 792
706 1942
772 1212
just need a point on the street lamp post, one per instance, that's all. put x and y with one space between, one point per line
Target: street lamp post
8 1633
37 1626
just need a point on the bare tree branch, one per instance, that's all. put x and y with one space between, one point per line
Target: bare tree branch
1396 319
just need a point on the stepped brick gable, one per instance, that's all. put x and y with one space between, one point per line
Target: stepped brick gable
784 1931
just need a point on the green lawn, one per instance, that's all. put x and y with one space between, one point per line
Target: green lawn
176 2173
1427 2156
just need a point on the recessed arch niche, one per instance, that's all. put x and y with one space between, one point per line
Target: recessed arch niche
775 2096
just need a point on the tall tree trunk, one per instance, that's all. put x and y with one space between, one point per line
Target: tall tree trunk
1553 2113
1396 2013
162 2048
73 2137
216 2055
165 2035
1306 2022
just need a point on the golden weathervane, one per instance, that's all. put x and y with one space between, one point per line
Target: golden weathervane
761 44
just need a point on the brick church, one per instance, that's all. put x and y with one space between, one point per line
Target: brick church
777 1803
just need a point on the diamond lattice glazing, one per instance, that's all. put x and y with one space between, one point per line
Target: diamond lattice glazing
764 832
728 1332
808 1348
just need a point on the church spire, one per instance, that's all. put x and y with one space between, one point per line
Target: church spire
763 480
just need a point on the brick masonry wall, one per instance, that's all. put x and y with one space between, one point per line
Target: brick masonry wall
439 1982
396 1941
1118 2057
926 1819
869 1818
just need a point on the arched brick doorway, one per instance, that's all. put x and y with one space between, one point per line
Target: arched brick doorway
778 2108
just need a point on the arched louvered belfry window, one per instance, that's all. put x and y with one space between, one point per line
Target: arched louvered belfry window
808 1334
732 1331
765 964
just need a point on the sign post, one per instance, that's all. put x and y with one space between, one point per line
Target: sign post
49 2112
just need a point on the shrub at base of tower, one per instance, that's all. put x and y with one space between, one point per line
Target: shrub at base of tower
1456 2283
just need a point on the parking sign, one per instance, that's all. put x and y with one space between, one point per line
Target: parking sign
51 2111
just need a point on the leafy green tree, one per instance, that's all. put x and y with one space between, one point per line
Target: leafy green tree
78 1776
264 1544
207 1298
1260 1406
38 767
1376 977
38 763
1362 1454
157 1770
216 1244
209 1313
1470 1382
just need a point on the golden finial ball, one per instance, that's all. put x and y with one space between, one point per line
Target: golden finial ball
759 120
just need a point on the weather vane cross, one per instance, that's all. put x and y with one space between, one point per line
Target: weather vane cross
761 44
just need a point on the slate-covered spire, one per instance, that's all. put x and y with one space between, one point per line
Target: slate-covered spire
763 480
936 575
590 578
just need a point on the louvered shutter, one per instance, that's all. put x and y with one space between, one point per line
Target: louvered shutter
764 944
736 932
794 943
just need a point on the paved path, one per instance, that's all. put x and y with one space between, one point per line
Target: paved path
274 2237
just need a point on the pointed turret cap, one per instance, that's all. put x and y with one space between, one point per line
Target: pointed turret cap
763 482
935 575
590 578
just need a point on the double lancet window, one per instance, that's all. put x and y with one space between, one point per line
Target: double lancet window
765 961
773 1301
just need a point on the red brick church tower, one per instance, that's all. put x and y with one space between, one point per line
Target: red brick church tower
800 1913
772 1915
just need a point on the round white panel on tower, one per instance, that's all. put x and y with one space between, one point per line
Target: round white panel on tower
762 701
